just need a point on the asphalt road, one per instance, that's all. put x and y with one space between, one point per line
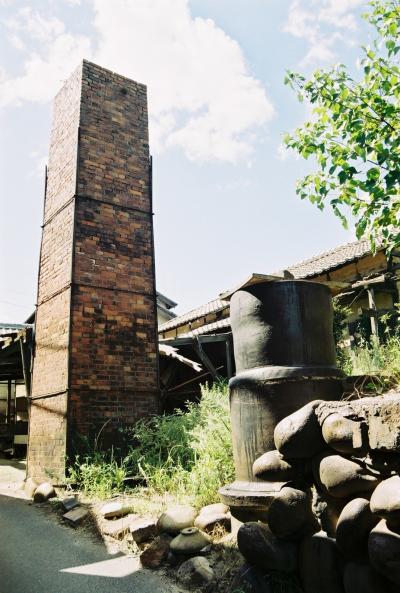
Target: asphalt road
38 555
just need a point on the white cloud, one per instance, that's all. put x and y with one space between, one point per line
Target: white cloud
283 153
322 24
44 71
338 13
50 54
32 23
323 49
300 21
16 42
202 97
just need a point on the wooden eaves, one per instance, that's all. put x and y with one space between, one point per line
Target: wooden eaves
334 286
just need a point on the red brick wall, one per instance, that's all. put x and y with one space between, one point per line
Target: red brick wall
48 438
96 320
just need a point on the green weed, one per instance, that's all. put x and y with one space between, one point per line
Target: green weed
186 455
377 358
98 474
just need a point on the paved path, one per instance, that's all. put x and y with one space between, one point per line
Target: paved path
12 474
38 555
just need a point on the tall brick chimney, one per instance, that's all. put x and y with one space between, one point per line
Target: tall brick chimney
96 358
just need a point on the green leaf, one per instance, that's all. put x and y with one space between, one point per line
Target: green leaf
373 173
354 133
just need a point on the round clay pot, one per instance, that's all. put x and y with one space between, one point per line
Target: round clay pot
190 541
176 518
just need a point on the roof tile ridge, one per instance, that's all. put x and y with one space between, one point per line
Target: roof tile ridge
191 312
326 253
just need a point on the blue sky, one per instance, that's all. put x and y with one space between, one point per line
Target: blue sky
224 189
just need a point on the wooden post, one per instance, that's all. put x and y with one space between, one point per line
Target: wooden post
9 403
204 358
228 350
26 355
372 306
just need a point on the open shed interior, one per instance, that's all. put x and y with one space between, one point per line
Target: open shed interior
15 370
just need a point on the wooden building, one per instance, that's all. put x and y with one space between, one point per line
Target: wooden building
16 344
197 347
164 308
367 284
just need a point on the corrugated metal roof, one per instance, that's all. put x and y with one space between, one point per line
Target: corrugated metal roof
211 307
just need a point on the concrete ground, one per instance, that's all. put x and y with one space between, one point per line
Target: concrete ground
12 470
38 554
12 475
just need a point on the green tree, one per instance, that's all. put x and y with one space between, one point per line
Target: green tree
354 134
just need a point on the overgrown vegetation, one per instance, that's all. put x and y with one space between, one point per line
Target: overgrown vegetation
98 474
187 455
343 358
373 355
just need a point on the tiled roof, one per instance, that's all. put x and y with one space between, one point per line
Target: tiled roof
211 307
330 259
306 269
208 329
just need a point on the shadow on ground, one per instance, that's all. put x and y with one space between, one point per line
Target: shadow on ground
39 554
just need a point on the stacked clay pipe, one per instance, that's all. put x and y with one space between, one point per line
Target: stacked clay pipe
285 358
335 524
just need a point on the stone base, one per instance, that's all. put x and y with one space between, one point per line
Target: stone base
250 501
380 414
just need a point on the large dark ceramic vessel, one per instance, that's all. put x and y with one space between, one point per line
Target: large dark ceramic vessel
285 358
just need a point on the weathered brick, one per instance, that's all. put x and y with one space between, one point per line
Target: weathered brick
96 348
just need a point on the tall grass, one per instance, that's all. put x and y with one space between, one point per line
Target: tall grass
98 474
375 357
340 314
187 454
